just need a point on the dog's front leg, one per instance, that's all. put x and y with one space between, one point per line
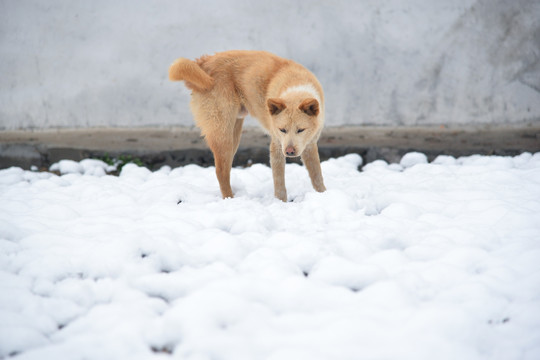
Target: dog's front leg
277 162
310 158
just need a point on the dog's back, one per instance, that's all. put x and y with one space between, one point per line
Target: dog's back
238 66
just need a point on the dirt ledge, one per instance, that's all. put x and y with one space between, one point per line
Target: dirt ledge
180 146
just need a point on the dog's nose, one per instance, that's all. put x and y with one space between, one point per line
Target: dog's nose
290 151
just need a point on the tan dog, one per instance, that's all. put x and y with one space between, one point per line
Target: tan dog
284 96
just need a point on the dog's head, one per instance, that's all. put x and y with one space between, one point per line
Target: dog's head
296 122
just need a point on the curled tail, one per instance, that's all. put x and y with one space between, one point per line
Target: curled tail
189 71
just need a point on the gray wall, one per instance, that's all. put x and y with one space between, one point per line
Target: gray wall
104 63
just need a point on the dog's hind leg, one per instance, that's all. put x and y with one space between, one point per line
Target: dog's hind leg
223 156
224 141
237 133
221 128
222 146
310 158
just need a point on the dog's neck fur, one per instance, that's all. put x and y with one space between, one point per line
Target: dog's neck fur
307 88
291 78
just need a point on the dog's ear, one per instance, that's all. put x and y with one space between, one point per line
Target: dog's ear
275 106
310 107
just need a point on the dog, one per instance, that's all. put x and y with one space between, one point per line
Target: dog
285 97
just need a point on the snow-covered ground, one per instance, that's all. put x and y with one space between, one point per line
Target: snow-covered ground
414 260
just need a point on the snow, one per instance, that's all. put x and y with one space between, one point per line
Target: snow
413 158
86 166
414 260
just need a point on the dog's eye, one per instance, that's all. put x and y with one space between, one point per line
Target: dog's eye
283 131
299 131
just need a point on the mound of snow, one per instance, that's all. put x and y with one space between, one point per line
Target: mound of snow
413 158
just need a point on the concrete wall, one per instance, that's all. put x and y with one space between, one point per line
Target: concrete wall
80 63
